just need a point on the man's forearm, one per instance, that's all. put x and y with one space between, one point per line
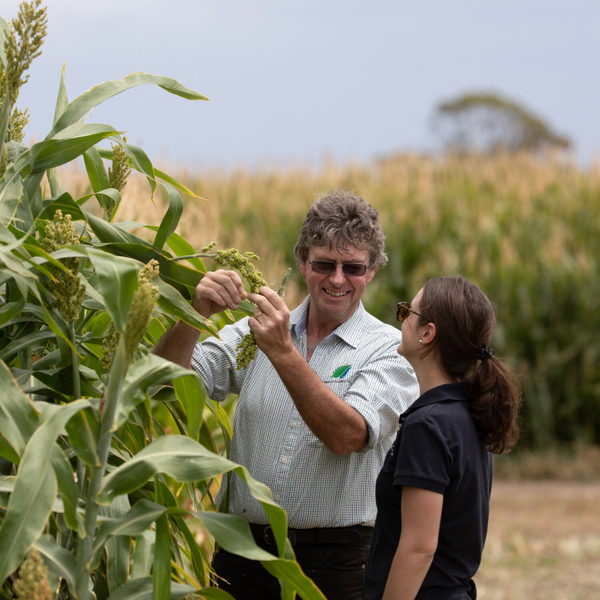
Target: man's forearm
177 344
339 426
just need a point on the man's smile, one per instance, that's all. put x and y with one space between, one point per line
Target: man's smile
335 294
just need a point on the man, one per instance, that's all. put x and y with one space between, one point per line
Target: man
318 407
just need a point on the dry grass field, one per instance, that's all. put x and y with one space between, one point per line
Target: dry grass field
543 542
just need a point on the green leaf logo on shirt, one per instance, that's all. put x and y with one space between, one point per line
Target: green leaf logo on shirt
341 372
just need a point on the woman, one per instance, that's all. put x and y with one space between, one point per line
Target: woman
434 489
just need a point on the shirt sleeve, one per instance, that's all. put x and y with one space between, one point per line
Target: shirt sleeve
214 359
424 458
382 390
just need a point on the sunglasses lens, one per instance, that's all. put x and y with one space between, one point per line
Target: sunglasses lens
403 311
354 270
322 267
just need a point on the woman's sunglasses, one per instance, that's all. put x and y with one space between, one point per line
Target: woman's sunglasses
326 267
404 310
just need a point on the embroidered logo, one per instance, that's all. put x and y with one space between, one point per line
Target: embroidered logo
341 372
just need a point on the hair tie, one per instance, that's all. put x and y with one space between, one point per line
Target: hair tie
486 352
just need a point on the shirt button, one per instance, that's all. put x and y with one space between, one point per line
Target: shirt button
294 425
284 459
277 496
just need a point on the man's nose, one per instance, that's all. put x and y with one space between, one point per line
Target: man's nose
338 277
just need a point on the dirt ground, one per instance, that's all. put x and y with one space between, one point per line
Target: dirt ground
543 542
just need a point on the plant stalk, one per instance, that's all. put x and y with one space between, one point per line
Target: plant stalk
112 397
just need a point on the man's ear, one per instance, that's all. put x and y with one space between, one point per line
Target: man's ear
302 267
429 333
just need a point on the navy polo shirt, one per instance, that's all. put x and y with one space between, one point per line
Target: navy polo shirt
438 449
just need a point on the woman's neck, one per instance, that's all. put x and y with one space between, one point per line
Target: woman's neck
430 375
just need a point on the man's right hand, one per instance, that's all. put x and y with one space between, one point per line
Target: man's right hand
218 291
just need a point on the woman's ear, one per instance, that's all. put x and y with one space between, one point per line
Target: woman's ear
429 333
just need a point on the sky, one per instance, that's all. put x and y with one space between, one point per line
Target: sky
292 82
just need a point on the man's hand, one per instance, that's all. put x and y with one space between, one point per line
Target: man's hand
218 291
271 322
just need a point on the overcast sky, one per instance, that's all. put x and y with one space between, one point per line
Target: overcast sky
291 81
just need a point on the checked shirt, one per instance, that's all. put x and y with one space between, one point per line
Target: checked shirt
317 488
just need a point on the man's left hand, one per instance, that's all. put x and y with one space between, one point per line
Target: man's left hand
271 322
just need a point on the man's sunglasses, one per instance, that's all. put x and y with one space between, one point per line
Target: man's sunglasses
404 310
326 267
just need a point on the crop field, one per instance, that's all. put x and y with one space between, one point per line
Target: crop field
543 542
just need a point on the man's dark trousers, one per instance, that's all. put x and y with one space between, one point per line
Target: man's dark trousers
338 570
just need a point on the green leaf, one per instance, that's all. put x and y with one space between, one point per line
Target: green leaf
182 247
144 554
10 310
18 418
97 175
185 459
117 280
162 560
58 560
46 155
190 392
64 203
98 94
84 432
35 489
140 162
171 218
233 533
142 589
150 371
135 522
66 485
23 342
173 303
61 101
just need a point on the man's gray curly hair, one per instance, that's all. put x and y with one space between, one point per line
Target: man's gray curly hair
341 219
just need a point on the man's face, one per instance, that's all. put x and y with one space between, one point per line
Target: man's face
335 297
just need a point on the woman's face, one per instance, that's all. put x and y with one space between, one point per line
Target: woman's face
410 346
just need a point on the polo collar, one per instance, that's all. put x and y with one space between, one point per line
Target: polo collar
349 331
453 392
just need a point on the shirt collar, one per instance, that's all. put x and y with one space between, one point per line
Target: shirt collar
349 331
454 392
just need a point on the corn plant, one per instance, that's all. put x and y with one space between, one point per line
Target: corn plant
97 500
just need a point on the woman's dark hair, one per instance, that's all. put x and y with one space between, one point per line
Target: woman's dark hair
464 319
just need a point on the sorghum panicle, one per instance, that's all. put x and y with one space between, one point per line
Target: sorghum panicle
121 168
32 583
109 347
68 291
142 305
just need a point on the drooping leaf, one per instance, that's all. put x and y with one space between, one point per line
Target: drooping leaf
84 432
117 279
150 371
99 93
171 219
58 560
142 589
35 489
66 485
18 418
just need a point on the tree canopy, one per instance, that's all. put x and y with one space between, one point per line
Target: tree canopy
487 122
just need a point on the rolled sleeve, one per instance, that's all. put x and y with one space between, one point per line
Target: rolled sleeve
381 391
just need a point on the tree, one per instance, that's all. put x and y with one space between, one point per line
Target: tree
487 122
